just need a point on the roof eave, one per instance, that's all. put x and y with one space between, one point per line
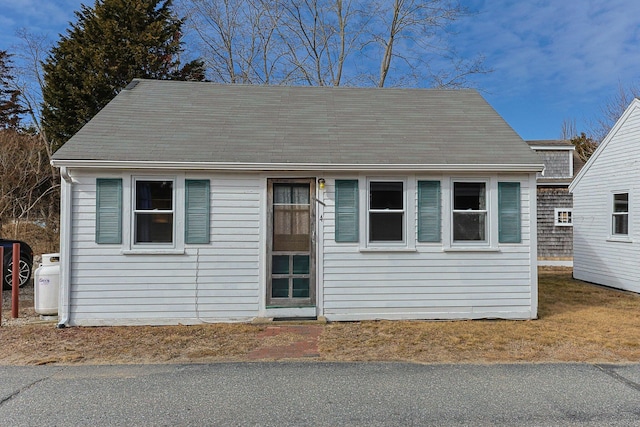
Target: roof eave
232 166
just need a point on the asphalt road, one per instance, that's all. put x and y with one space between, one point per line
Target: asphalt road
321 394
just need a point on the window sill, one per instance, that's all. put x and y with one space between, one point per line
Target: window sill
470 249
620 239
152 251
388 249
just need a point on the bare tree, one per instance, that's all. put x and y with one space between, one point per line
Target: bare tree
331 42
30 151
413 33
569 129
236 39
612 110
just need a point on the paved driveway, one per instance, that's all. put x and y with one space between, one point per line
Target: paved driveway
321 394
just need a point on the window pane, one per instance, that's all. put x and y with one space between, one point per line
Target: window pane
154 195
386 195
301 288
280 264
291 193
280 288
154 228
301 264
385 226
469 196
621 224
469 226
621 202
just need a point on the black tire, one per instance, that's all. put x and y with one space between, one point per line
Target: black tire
24 272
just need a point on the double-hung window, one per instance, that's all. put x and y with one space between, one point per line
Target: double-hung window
469 212
386 211
153 211
164 213
620 215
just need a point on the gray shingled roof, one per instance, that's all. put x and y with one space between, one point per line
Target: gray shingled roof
169 121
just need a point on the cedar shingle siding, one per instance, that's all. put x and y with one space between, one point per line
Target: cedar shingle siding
556 164
553 241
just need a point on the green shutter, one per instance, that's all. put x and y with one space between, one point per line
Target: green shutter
109 211
347 217
197 208
509 212
429 211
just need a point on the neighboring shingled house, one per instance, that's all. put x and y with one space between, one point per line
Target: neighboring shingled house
189 202
555 203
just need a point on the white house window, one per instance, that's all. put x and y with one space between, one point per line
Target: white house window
469 212
563 217
620 216
386 211
153 211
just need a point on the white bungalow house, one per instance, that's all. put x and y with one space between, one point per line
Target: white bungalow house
606 208
188 202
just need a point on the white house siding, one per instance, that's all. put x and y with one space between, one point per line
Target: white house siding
597 257
210 282
428 282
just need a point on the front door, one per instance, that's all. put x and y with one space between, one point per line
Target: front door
291 243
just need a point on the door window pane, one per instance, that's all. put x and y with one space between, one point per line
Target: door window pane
301 288
280 288
280 264
301 264
291 211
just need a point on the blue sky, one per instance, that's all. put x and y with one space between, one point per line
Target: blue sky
553 60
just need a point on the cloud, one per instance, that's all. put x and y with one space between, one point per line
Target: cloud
544 45
37 16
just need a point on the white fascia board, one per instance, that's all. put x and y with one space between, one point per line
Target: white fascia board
109 164
553 147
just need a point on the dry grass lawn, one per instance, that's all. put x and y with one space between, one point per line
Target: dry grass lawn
578 322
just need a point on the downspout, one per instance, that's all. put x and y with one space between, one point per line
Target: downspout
65 246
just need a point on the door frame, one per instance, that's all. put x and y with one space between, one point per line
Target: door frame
299 302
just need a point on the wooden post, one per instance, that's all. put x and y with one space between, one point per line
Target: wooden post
15 281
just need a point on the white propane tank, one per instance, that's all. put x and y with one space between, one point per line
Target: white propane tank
47 284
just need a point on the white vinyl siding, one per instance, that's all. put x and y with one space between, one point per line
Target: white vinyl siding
218 281
601 256
428 282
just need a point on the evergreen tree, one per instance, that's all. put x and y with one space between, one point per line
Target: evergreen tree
109 45
10 107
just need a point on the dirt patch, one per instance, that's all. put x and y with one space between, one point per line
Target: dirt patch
578 322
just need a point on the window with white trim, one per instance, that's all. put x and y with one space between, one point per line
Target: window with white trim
620 215
386 211
153 211
563 217
469 211
163 212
